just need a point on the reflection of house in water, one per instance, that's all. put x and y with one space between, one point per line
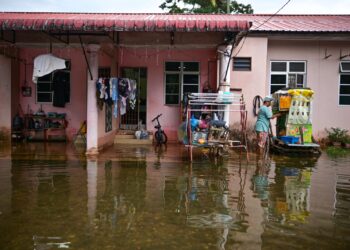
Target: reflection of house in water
217 199
297 194
342 205
289 195
47 208
123 196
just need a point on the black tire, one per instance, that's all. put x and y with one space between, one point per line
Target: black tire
161 137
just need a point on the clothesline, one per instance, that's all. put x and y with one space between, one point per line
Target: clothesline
112 90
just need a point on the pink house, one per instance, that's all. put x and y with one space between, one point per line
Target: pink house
169 55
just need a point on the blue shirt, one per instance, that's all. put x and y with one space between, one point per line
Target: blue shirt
263 121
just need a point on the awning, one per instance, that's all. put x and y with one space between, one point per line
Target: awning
40 21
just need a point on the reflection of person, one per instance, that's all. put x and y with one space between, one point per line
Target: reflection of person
263 122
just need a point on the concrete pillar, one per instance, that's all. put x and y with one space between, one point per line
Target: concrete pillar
224 82
92 110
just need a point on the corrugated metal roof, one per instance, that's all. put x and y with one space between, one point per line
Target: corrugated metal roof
120 22
172 22
299 23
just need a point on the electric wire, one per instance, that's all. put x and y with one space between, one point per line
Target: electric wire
268 19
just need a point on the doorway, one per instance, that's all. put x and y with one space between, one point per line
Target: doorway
138 115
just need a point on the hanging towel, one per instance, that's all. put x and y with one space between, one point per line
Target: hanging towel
123 105
61 88
45 64
102 88
132 94
115 95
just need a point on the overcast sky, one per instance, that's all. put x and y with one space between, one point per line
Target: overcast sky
259 6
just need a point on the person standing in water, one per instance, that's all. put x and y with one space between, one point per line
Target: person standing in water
262 125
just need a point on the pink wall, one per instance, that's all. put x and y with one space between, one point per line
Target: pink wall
322 77
105 139
251 82
15 86
154 60
76 109
5 94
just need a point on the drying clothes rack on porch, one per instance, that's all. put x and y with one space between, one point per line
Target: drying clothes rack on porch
215 137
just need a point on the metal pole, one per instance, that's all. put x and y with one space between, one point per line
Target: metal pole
228 6
86 60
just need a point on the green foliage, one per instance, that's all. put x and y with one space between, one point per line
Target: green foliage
337 135
347 139
205 6
337 152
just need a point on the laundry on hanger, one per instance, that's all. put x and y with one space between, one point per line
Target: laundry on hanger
111 90
61 88
132 95
45 64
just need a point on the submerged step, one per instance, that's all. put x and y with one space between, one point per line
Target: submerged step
133 141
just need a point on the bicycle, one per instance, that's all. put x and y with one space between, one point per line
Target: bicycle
159 136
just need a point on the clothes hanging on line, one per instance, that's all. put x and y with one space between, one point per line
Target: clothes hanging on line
132 95
115 95
112 90
45 64
61 88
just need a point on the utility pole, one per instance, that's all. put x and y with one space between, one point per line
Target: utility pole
228 6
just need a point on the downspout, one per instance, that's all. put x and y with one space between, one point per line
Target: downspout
225 56
224 76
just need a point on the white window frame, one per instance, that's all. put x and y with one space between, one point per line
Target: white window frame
341 67
51 82
44 92
342 72
287 73
181 74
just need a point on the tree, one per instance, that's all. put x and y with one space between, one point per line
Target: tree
205 6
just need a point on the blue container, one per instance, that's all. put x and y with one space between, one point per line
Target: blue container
290 139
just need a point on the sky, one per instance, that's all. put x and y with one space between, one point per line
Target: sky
148 6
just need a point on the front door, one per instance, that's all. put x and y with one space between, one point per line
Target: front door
138 115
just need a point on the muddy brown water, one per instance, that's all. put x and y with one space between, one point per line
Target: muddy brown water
53 197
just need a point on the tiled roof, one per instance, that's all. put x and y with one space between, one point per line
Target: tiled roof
120 22
299 23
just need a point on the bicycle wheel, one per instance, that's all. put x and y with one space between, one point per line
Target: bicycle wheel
161 137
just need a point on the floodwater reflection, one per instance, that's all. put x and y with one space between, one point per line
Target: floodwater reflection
52 197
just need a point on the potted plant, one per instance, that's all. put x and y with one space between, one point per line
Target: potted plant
336 136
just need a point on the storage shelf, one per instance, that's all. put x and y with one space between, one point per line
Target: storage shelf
60 134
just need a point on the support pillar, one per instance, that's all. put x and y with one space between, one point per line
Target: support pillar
224 77
92 110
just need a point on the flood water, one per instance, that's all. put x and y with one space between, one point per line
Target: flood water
53 197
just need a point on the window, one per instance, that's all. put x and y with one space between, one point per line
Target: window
291 74
44 86
242 63
344 84
180 78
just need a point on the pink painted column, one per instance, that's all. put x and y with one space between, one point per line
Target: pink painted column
92 111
